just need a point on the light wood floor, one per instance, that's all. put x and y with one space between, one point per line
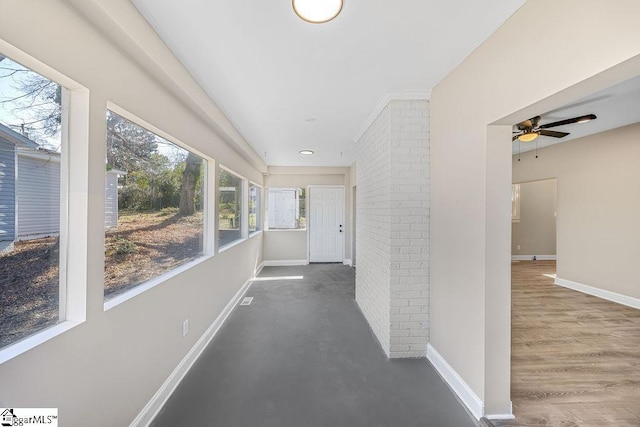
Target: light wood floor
575 358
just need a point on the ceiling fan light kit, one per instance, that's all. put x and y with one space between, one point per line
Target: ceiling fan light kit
529 130
528 137
317 11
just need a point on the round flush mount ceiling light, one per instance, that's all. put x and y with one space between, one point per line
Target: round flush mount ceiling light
317 11
306 152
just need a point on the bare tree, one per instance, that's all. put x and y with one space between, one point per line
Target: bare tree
33 101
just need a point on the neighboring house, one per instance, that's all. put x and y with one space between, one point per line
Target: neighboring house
111 198
30 190
10 143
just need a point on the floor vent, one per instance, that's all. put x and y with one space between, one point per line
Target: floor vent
246 301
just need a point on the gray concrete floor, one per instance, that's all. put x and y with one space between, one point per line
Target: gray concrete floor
302 354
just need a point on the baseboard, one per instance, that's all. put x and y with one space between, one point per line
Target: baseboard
285 262
600 293
153 407
508 416
258 270
530 257
347 262
457 384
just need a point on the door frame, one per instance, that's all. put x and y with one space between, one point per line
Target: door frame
308 211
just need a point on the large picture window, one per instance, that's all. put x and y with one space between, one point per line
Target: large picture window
154 196
230 204
31 154
286 209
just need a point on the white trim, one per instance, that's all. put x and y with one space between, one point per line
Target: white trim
503 416
32 341
153 407
153 282
455 381
347 262
115 108
600 293
530 257
285 262
383 101
232 244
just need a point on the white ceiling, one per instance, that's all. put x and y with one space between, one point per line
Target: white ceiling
614 107
288 85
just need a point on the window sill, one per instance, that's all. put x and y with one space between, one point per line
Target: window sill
145 286
231 245
26 344
255 233
286 230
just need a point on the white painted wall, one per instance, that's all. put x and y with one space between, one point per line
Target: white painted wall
393 228
105 370
471 166
598 206
535 233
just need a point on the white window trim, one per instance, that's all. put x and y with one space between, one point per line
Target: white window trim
261 198
208 208
244 214
74 206
153 282
266 209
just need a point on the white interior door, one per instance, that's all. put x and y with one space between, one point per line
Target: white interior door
326 224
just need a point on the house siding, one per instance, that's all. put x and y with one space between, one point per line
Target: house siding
7 191
38 196
111 200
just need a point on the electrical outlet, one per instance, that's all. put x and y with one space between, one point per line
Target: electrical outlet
518 247
185 328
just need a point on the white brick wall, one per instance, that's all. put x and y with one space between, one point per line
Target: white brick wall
392 278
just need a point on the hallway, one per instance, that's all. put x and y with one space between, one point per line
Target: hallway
303 355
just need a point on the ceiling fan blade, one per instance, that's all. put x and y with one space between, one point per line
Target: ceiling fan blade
569 121
552 133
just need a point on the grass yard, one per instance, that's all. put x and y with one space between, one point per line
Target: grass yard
144 246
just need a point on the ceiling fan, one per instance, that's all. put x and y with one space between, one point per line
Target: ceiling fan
529 130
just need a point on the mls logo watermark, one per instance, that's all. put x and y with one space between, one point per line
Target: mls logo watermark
12 417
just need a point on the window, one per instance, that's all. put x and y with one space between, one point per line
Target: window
154 198
515 203
229 207
286 209
32 234
254 208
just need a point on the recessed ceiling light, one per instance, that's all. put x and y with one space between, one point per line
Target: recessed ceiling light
317 11
306 152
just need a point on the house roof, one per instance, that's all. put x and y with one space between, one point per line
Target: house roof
16 138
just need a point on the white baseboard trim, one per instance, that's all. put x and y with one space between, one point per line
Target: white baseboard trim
455 381
153 407
530 257
508 416
258 270
347 262
600 293
285 262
